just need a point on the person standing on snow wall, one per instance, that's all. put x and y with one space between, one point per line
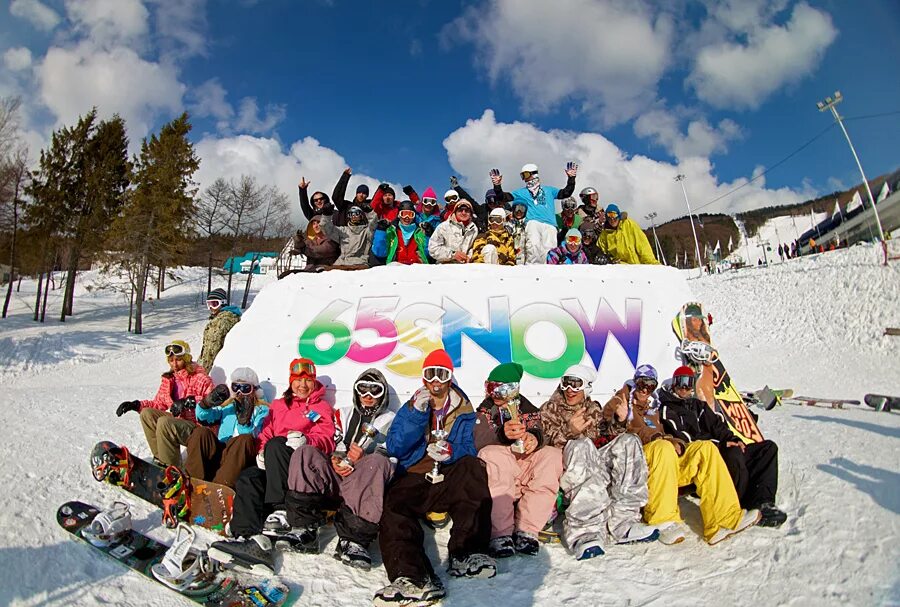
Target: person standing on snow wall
222 319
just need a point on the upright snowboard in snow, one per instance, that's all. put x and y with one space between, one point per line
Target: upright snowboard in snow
714 385
139 553
210 504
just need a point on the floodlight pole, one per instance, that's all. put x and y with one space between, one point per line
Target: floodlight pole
680 179
829 104
659 254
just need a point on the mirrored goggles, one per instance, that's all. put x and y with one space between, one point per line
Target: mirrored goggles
407 214
242 388
612 215
573 240
174 350
569 205
645 385
526 175
372 388
496 219
214 304
683 381
570 383
502 390
451 198
438 374
301 368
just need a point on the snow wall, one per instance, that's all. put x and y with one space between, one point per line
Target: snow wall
547 318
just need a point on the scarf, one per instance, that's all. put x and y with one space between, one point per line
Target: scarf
407 231
533 185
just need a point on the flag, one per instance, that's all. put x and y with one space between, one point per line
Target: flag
730 246
885 190
837 210
855 202
718 248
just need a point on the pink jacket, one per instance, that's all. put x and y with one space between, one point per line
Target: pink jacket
196 384
283 418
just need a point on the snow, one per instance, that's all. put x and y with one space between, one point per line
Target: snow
814 324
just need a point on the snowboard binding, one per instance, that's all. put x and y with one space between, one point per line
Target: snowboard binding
182 568
176 496
112 464
698 351
110 526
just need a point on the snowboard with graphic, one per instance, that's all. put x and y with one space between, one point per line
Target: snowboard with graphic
882 402
714 385
138 552
210 504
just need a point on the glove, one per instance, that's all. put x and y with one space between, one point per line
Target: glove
496 177
571 169
427 227
421 400
178 406
382 224
216 398
454 182
295 439
128 405
408 190
261 460
440 451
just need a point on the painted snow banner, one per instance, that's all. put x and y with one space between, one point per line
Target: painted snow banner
546 318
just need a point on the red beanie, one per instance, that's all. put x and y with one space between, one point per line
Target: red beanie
683 370
438 358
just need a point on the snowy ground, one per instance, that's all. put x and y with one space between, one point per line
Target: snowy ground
813 324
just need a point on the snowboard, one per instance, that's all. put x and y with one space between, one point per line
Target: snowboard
881 402
766 398
714 385
139 553
210 504
829 403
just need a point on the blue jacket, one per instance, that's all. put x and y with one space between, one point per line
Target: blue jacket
227 420
407 438
542 208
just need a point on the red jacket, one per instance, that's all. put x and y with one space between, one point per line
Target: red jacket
378 206
180 384
283 419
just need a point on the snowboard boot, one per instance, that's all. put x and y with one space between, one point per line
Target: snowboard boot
298 539
639 532
749 518
277 522
255 554
587 548
410 593
771 516
526 543
502 547
353 554
474 565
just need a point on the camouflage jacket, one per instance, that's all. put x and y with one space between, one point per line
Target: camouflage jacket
555 416
214 334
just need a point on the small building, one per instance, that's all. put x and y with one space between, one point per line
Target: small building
262 262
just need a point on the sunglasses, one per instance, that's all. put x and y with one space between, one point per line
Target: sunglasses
242 388
496 219
683 381
463 209
176 350
451 198
372 388
571 384
438 374
214 304
526 175
613 216
406 214
645 385
320 199
301 368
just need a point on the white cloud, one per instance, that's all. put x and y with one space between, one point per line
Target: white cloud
250 121
210 100
37 13
72 80
701 138
108 23
180 26
17 59
606 56
742 75
639 184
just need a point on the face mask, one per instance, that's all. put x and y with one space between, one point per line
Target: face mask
533 185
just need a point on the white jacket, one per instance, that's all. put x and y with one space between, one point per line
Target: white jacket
449 237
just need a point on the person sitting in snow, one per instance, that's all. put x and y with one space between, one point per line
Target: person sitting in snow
674 463
589 209
753 467
403 241
356 474
523 473
452 240
300 417
570 252
495 246
239 412
623 240
434 432
354 239
516 225
605 478
316 244
168 419
222 319
567 219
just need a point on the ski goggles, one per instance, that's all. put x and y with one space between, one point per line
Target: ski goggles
372 388
571 383
429 202
573 240
527 175
176 350
502 390
355 212
683 381
242 388
407 215
438 374
303 368
612 215
569 205
645 385
452 198
496 219
214 304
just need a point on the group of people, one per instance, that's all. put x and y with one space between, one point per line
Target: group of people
502 470
507 228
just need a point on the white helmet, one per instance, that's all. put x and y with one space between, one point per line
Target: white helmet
451 194
529 168
587 192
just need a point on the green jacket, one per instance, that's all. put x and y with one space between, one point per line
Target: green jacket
392 239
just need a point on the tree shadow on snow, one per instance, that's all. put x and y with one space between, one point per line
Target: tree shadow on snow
868 427
879 483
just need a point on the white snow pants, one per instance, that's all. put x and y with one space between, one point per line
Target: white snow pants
605 489
489 254
539 239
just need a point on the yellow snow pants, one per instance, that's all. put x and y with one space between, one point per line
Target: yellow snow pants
702 465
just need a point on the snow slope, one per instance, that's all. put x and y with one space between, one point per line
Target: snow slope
813 324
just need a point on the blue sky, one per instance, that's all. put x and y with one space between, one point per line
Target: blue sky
414 91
